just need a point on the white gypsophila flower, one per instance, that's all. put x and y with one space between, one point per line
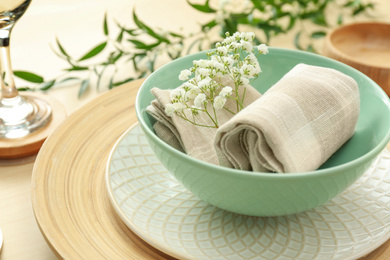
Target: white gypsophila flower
199 100
248 36
246 45
244 81
219 66
169 109
228 40
248 70
226 91
257 69
262 48
177 93
251 59
193 92
228 61
187 86
236 46
222 51
219 102
201 63
184 75
203 72
179 106
204 83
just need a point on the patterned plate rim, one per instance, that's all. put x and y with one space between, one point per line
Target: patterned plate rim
118 210
168 250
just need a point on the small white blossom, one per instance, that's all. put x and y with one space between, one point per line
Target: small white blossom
177 93
193 92
204 83
236 46
169 109
244 81
219 102
228 68
262 48
222 51
228 61
184 75
248 36
199 100
226 91
219 66
248 70
203 72
251 58
247 46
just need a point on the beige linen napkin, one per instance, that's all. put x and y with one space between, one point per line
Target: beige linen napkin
196 141
295 126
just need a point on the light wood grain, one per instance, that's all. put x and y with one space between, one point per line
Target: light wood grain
68 188
364 46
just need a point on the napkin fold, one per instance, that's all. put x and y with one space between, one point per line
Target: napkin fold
295 126
196 141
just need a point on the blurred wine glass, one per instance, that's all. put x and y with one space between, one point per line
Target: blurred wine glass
20 115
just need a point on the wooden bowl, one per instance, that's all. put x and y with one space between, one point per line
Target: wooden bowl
364 46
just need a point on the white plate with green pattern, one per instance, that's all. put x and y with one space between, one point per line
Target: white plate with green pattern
161 211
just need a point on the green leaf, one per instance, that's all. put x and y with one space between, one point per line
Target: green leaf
111 83
148 30
28 76
105 25
340 19
319 19
47 85
68 79
77 68
62 50
209 25
176 35
310 48
291 23
25 89
203 8
95 51
296 41
143 46
120 35
123 82
318 34
83 87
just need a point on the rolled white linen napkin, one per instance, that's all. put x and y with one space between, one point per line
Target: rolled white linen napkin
295 126
196 141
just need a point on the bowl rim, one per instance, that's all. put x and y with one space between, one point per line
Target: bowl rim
329 43
267 175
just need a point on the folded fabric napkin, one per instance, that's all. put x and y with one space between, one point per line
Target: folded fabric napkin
196 141
295 126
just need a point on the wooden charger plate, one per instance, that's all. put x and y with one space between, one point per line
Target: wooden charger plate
69 194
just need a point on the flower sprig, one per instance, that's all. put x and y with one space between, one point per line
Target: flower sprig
211 82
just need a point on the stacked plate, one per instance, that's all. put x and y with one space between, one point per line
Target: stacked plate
162 212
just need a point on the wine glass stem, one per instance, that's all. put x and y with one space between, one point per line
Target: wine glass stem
8 89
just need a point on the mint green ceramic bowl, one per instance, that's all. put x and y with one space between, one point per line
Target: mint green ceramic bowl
266 194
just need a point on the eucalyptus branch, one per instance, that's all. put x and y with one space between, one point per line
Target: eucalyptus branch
143 46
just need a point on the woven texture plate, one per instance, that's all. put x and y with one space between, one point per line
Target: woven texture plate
69 194
161 211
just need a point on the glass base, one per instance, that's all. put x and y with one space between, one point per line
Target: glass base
23 115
